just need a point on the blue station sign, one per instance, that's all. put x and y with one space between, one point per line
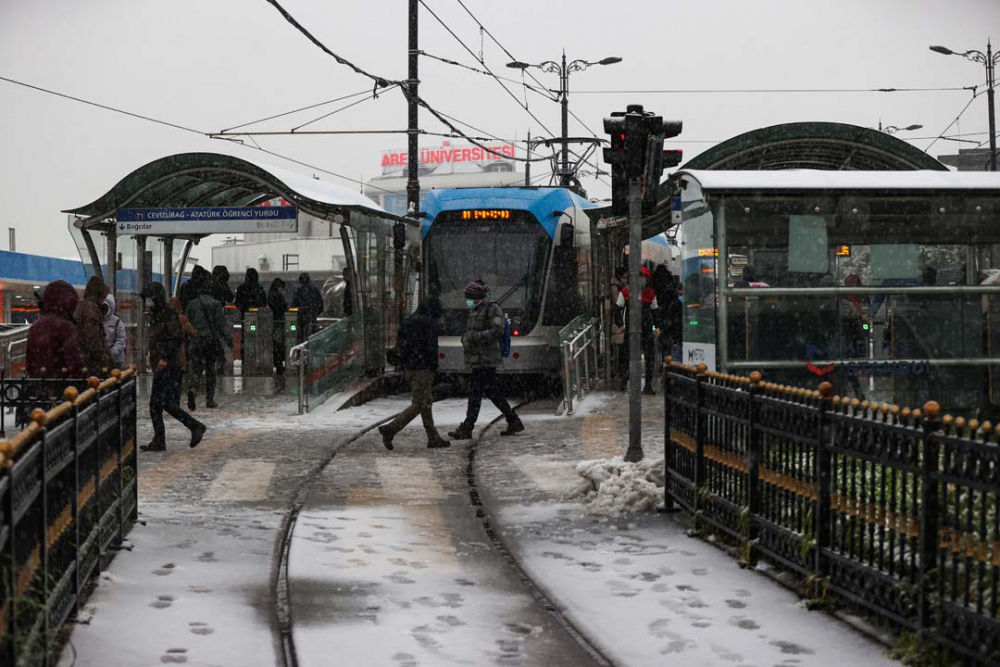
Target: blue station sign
207 220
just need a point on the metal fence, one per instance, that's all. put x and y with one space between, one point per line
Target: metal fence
13 350
578 347
891 509
68 493
19 396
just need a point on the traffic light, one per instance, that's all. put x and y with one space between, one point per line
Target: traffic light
615 156
657 130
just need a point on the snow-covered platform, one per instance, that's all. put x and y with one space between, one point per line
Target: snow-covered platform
389 563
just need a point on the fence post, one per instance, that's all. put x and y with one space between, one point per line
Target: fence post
38 416
70 394
700 433
668 500
753 459
928 513
10 581
117 388
824 479
567 378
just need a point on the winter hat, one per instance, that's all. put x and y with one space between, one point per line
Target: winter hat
476 290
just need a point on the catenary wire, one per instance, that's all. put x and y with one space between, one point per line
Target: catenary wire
964 109
370 96
544 92
754 91
295 111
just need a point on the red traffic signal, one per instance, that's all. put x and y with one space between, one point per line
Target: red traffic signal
672 157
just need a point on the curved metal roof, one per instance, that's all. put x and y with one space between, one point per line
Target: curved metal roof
213 179
814 145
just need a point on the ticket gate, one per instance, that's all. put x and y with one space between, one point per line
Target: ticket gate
257 343
291 331
232 322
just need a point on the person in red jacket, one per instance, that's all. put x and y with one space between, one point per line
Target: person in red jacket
53 350
649 303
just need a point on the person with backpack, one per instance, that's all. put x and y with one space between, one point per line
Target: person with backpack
483 341
417 347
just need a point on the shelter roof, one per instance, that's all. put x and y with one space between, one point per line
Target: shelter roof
214 179
816 180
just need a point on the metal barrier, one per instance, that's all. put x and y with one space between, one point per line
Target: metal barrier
299 356
69 492
13 351
578 340
894 510
19 396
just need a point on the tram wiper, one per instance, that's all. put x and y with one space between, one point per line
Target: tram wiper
518 285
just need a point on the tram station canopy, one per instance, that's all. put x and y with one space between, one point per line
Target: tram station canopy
217 180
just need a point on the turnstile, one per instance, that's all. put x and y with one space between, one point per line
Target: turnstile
257 343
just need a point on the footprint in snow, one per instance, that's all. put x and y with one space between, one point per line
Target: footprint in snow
162 601
200 629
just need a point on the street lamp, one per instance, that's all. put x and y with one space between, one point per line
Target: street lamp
564 70
990 61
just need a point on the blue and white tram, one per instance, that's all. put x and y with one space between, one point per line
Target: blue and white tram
530 245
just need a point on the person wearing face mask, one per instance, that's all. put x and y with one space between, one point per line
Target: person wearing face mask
649 304
484 332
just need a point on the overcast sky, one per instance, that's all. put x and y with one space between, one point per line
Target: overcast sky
211 64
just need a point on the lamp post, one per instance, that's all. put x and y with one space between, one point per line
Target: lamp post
989 60
564 70
893 129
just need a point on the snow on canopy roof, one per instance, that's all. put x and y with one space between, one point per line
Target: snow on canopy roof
809 179
213 180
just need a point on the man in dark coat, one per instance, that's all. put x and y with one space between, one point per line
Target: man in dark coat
206 316
481 342
250 294
220 285
52 339
418 353
91 337
165 345
309 301
278 304
193 286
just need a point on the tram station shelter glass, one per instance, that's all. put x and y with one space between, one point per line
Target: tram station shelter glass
885 283
203 180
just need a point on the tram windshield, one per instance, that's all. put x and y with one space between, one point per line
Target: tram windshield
509 256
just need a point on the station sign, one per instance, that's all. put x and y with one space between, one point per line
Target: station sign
207 220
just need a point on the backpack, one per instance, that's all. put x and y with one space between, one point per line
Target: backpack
505 341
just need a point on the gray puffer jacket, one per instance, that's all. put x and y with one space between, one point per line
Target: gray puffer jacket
482 337
114 331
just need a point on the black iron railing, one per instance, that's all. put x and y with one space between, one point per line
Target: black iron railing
19 396
891 509
68 494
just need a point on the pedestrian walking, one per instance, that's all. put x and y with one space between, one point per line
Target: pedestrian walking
481 341
114 331
193 286
93 342
189 334
165 345
417 346
278 305
250 294
649 304
206 316
53 349
309 302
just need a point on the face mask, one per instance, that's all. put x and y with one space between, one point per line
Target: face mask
470 304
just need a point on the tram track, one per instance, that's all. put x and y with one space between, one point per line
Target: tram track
282 608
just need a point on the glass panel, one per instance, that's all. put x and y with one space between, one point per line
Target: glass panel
807 244
335 358
698 264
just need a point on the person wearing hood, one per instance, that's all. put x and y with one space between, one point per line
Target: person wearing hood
278 304
166 344
114 331
220 285
207 317
90 328
194 285
417 346
649 304
309 302
53 350
250 294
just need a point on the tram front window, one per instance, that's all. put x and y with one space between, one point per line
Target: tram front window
509 256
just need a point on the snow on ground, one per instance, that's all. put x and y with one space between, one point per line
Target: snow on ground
649 595
193 589
615 486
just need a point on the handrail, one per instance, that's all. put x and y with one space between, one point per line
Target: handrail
572 350
297 356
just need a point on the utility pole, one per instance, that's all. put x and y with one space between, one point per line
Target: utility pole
527 165
990 61
634 452
413 130
564 90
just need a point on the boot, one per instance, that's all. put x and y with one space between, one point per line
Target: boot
461 433
648 390
197 433
387 436
513 427
157 444
191 404
437 442
210 403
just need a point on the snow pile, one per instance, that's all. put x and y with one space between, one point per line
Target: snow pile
614 487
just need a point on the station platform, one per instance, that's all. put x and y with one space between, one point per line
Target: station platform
387 561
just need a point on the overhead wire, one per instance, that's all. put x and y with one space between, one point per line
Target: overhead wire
964 109
754 91
295 111
370 96
545 92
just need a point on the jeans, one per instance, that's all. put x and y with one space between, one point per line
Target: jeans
165 395
421 385
484 383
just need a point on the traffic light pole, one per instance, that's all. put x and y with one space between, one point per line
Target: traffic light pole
635 376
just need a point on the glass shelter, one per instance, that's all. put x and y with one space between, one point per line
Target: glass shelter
887 284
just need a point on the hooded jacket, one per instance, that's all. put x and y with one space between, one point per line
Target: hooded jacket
90 324
166 339
52 339
250 294
220 285
189 291
206 315
483 332
308 300
114 331
418 337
